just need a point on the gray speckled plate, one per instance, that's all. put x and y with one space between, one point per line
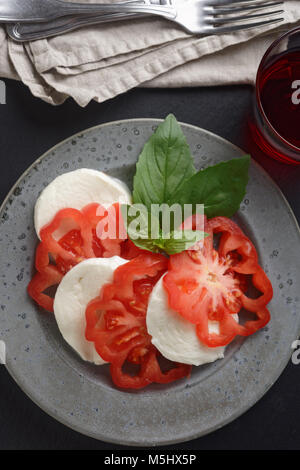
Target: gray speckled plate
81 395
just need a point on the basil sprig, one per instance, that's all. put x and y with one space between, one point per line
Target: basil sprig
165 174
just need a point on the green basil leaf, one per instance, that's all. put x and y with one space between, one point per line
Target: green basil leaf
149 245
163 166
221 188
182 240
138 227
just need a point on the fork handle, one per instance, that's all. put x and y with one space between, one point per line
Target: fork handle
67 8
22 32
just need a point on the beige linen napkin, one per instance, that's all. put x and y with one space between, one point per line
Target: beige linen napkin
100 62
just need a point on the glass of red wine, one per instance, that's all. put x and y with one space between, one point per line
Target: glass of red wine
276 124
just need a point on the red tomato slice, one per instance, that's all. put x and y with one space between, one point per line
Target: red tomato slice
79 244
116 323
233 239
229 328
263 284
199 285
76 245
42 281
72 243
79 252
100 219
42 259
209 284
130 250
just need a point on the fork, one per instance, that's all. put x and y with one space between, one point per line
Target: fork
196 16
22 32
45 10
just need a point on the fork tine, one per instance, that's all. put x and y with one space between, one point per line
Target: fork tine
234 19
244 26
224 10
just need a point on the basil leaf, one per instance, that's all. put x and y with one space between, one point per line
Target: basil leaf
139 226
221 188
137 223
173 244
149 245
187 240
163 166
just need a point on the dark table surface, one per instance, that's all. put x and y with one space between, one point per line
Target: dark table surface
29 127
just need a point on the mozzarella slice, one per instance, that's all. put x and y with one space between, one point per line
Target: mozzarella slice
77 189
77 288
174 337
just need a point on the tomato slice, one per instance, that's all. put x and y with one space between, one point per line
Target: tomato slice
130 250
263 284
77 252
42 258
101 219
116 323
150 372
233 239
229 328
80 243
210 284
202 285
42 281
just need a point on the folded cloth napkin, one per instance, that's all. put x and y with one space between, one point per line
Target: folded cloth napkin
100 62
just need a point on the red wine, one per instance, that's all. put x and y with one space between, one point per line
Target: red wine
279 87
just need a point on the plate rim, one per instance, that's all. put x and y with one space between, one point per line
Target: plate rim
234 415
